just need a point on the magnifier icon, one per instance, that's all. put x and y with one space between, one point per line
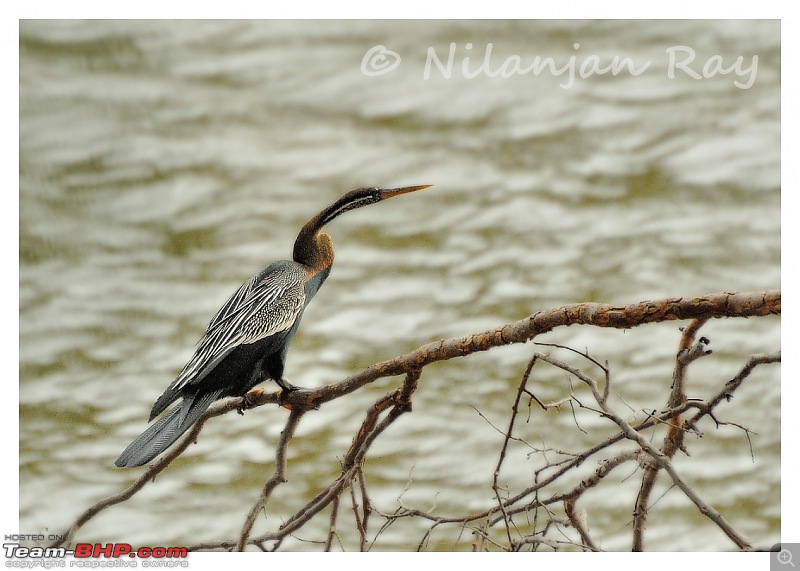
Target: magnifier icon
785 557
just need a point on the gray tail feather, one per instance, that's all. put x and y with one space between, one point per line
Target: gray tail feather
165 431
163 402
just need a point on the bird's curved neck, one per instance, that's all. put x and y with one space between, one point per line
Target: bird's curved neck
316 252
313 248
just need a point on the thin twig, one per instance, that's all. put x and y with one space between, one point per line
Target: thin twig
688 351
658 457
578 521
726 393
278 477
332 524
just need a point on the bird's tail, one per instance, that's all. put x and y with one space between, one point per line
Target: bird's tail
165 431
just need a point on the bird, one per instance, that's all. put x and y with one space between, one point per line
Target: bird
247 340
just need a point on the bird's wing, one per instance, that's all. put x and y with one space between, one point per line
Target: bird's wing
233 302
266 304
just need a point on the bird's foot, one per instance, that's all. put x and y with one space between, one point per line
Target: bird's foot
250 399
286 388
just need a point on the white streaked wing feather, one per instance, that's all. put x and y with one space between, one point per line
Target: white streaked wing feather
233 301
262 306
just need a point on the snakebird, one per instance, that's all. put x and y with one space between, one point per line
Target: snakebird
247 340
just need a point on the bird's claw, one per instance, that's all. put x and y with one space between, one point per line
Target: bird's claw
286 388
249 400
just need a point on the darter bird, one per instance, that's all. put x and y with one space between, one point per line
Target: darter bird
247 340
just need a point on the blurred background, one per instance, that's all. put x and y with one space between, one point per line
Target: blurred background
163 163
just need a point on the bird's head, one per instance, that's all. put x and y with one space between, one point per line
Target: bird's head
314 248
364 197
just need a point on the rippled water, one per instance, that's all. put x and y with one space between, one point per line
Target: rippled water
163 163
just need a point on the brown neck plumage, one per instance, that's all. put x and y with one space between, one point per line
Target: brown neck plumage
313 248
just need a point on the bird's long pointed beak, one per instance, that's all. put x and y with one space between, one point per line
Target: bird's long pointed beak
390 192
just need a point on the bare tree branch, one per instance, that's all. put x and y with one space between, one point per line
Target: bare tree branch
525 519
688 351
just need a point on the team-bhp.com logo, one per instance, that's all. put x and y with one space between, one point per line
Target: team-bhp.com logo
86 555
